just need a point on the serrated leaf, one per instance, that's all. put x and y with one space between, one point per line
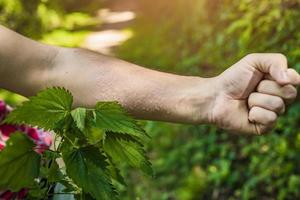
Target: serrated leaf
54 174
67 128
123 148
44 110
69 186
19 163
93 133
82 165
79 116
115 172
110 116
50 168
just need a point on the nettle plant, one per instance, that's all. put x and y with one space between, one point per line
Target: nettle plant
86 161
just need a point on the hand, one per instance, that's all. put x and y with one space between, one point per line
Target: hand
253 92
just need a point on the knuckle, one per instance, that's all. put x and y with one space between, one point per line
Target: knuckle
251 56
281 57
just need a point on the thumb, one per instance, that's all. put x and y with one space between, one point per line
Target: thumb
273 64
280 75
293 76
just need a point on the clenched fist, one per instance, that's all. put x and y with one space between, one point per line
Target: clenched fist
253 92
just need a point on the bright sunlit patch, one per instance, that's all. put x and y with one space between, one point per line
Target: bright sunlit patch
110 17
104 41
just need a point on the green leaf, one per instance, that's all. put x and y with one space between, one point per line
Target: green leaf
87 167
93 133
79 116
110 116
37 192
115 172
50 168
54 174
67 128
19 163
44 110
123 148
85 196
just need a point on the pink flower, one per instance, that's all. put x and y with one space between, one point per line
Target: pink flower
41 138
7 129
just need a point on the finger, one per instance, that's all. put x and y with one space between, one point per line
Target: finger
294 77
274 64
266 101
287 92
241 123
262 116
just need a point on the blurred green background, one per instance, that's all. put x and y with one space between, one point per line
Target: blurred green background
189 37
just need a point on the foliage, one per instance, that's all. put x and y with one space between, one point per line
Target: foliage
192 37
34 18
93 141
16 171
11 98
204 37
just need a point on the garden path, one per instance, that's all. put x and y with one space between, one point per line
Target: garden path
116 17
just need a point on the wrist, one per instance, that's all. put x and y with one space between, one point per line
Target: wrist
196 104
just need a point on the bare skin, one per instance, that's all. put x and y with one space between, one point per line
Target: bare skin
247 97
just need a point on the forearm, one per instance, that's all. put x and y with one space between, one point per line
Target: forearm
145 93
27 66
23 62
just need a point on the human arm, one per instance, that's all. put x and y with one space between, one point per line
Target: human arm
149 94
91 77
